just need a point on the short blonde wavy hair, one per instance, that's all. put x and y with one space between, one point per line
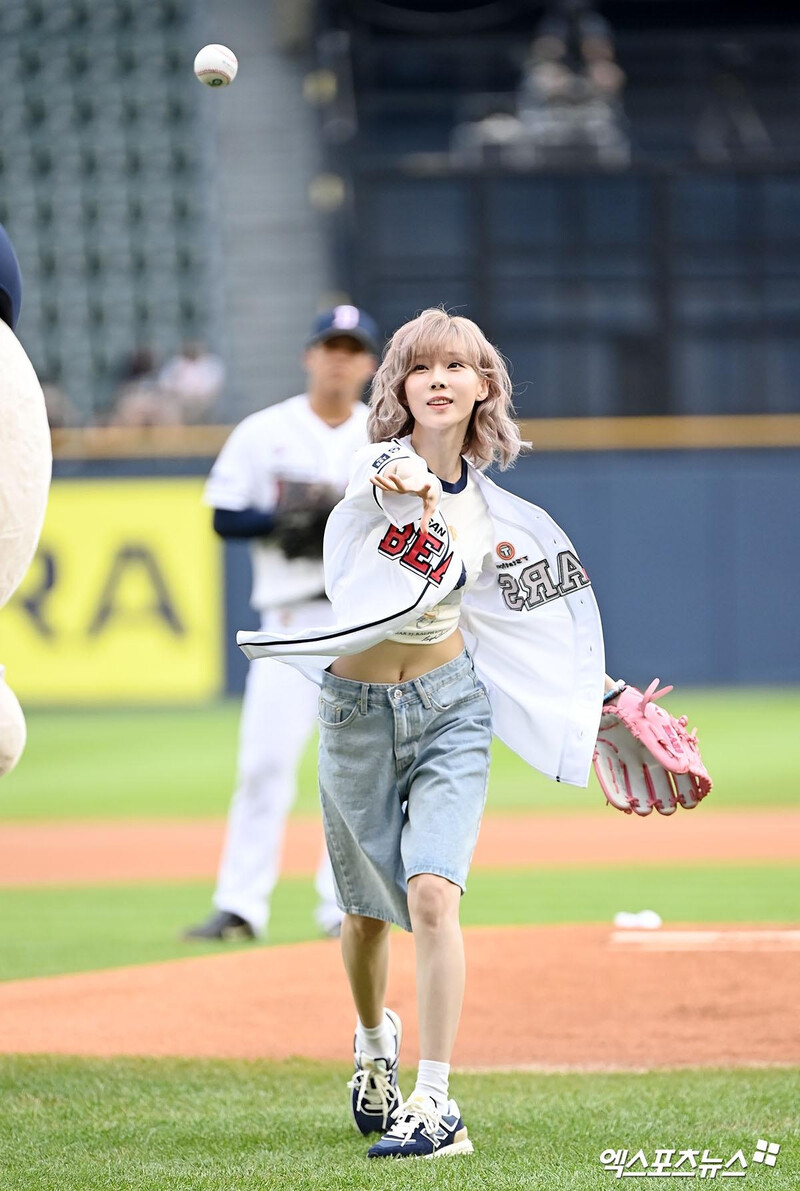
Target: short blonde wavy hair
492 434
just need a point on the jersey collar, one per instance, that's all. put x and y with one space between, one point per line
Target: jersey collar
460 484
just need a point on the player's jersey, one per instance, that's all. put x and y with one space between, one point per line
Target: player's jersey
284 442
530 622
463 507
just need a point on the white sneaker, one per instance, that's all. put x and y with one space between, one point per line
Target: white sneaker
420 1130
374 1094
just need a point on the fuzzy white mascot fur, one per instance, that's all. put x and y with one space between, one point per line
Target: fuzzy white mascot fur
25 468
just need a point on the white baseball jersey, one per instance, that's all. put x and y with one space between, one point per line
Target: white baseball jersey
463 507
286 441
530 622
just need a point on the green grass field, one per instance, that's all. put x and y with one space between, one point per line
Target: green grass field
136 1125
101 764
180 763
129 1125
48 931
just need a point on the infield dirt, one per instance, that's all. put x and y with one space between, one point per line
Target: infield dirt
544 996
115 851
553 997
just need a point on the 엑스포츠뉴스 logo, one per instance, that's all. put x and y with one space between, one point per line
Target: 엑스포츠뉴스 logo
688 1163
505 550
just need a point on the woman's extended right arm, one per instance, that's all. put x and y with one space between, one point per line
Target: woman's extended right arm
406 478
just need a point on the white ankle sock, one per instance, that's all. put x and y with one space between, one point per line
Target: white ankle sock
379 1042
432 1080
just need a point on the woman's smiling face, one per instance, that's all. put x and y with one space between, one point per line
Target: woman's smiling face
441 392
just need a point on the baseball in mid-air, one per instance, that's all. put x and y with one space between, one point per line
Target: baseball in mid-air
216 65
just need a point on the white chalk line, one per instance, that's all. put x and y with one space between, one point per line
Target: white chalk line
707 940
618 1068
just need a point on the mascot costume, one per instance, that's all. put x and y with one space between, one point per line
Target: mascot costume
25 467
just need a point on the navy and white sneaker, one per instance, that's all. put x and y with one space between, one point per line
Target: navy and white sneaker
374 1094
420 1130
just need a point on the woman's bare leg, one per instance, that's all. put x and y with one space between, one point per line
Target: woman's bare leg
433 904
365 951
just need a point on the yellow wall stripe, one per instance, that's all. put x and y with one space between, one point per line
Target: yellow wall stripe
663 434
546 434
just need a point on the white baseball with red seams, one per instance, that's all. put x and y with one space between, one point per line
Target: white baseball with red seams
216 65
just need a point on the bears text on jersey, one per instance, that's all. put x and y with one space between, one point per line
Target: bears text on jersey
534 585
419 552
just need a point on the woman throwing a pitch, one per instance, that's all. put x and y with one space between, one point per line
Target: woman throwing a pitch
460 609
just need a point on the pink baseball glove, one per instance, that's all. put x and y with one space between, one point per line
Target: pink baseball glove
645 758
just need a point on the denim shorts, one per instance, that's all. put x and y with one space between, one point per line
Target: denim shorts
403 771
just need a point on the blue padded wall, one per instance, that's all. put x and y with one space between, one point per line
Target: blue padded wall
693 556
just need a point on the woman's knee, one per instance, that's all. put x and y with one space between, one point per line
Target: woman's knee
433 901
366 930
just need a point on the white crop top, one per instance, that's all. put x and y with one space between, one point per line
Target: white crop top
464 509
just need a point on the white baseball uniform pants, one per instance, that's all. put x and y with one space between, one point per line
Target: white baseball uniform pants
278 715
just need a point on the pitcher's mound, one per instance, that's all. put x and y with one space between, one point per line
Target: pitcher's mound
556 996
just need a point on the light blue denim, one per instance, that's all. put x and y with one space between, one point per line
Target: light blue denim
403 771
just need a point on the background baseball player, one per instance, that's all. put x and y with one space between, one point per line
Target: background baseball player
274 482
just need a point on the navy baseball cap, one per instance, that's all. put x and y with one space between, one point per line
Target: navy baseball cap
10 281
349 321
